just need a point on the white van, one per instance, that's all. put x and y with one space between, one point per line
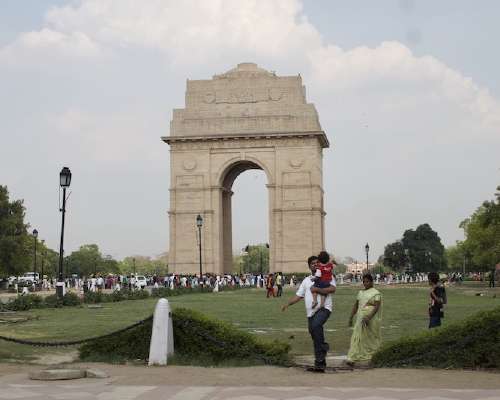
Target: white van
140 282
30 277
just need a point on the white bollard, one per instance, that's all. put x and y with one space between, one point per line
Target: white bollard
162 335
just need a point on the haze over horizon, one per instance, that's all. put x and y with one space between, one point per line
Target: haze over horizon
407 92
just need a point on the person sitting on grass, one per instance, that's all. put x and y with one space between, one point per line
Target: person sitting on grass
322 277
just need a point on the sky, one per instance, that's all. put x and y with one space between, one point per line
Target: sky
408 93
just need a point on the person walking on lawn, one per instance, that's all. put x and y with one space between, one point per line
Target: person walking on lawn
316 316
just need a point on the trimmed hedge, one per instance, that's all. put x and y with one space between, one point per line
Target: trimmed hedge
472 343
198 340
29 301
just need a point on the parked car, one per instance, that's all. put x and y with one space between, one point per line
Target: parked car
29 277
140 281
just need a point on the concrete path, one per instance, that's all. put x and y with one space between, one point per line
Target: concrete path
83 390
135 382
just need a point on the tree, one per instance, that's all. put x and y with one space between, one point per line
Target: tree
455 257
419 250
145 265
426 252
256 259
88 260
49 257
394 256
14 259
482 234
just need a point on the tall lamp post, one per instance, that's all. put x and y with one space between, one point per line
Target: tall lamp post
367 250
35 236
407 254
64 181
43 254
133 262
199 224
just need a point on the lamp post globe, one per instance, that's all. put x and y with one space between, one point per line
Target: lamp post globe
64 182
65 177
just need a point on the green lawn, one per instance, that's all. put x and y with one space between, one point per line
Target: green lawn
404 313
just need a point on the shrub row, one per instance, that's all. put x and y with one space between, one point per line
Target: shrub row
197 339
471 343
31 301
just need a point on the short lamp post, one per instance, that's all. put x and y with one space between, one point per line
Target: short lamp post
64 181
199 224
367 250
35 236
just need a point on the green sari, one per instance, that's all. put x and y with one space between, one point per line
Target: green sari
365 340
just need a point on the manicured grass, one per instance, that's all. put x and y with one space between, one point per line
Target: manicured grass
404 313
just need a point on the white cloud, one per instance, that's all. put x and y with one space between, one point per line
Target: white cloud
190 32
391 67
192 28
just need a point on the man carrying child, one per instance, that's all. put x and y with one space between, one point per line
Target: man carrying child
316 316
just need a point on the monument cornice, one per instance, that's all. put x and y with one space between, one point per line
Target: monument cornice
320 135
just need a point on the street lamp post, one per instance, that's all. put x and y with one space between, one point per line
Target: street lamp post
199 224
367 250
133 263
64 181
35 236
407 254
43 254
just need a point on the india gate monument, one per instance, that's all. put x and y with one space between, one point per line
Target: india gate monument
246 118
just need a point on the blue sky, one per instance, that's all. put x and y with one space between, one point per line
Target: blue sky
407 91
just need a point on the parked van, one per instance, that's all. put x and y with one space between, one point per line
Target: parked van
30 277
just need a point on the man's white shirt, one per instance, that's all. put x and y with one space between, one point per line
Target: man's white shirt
304 291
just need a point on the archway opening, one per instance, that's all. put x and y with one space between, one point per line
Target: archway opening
245 219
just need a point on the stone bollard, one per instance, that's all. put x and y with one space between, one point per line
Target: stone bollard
162 335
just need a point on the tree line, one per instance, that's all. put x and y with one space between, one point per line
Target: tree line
421 250
17 251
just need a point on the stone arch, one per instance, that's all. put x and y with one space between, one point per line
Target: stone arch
234 164
227 178
247 118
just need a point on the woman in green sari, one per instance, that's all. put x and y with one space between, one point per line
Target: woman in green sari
366 338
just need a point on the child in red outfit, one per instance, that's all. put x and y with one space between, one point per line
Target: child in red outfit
322 277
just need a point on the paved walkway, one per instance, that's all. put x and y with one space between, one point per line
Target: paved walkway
83 390
129 382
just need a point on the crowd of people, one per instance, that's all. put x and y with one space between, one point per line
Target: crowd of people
274 283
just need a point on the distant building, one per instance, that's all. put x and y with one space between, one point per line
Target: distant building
358 268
